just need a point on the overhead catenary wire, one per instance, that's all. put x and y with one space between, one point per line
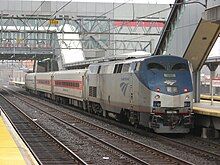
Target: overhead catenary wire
157 12
171 6
57 11
113 9
49 16
109 12
35 11
38 8
139 18
136 19
96 17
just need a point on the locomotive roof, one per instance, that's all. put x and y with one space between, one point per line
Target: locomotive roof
130 60
119 61
71 71
118 57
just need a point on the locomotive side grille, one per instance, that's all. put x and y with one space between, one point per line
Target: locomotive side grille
92 91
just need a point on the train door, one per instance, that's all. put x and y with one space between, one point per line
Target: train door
132 69
84 89
131 99
52 87
84 85
35 83
134 116
99 84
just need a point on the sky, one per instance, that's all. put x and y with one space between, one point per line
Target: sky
121 1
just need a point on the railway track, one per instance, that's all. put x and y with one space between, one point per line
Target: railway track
45 148
138 152
195 146
206 144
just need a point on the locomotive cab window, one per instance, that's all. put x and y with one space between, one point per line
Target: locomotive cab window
118 68
99 68
125 68
155 66
93 69
104 69
137 66
180 66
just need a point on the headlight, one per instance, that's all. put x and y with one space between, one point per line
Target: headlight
186 103
156 104
185 90
187 97
157 97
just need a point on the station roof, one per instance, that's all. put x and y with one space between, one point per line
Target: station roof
215 59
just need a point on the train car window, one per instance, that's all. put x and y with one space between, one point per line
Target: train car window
76 85
132 66
156 66
43 81
137 67
180 66
119 68
116 68
104 69
99 68
93 69
125 68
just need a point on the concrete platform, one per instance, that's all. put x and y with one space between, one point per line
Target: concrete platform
205 108
17 83
12 148
208 97
207 116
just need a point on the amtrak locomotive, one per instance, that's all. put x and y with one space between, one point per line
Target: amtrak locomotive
155 91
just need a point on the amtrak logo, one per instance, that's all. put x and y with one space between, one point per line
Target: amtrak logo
123 87
170 82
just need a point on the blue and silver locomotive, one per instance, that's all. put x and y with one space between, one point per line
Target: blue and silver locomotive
155 92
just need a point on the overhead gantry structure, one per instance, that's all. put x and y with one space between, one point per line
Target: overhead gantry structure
35 36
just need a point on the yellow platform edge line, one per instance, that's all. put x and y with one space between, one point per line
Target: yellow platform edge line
205 111
217 98
209 101
9 152
23 149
